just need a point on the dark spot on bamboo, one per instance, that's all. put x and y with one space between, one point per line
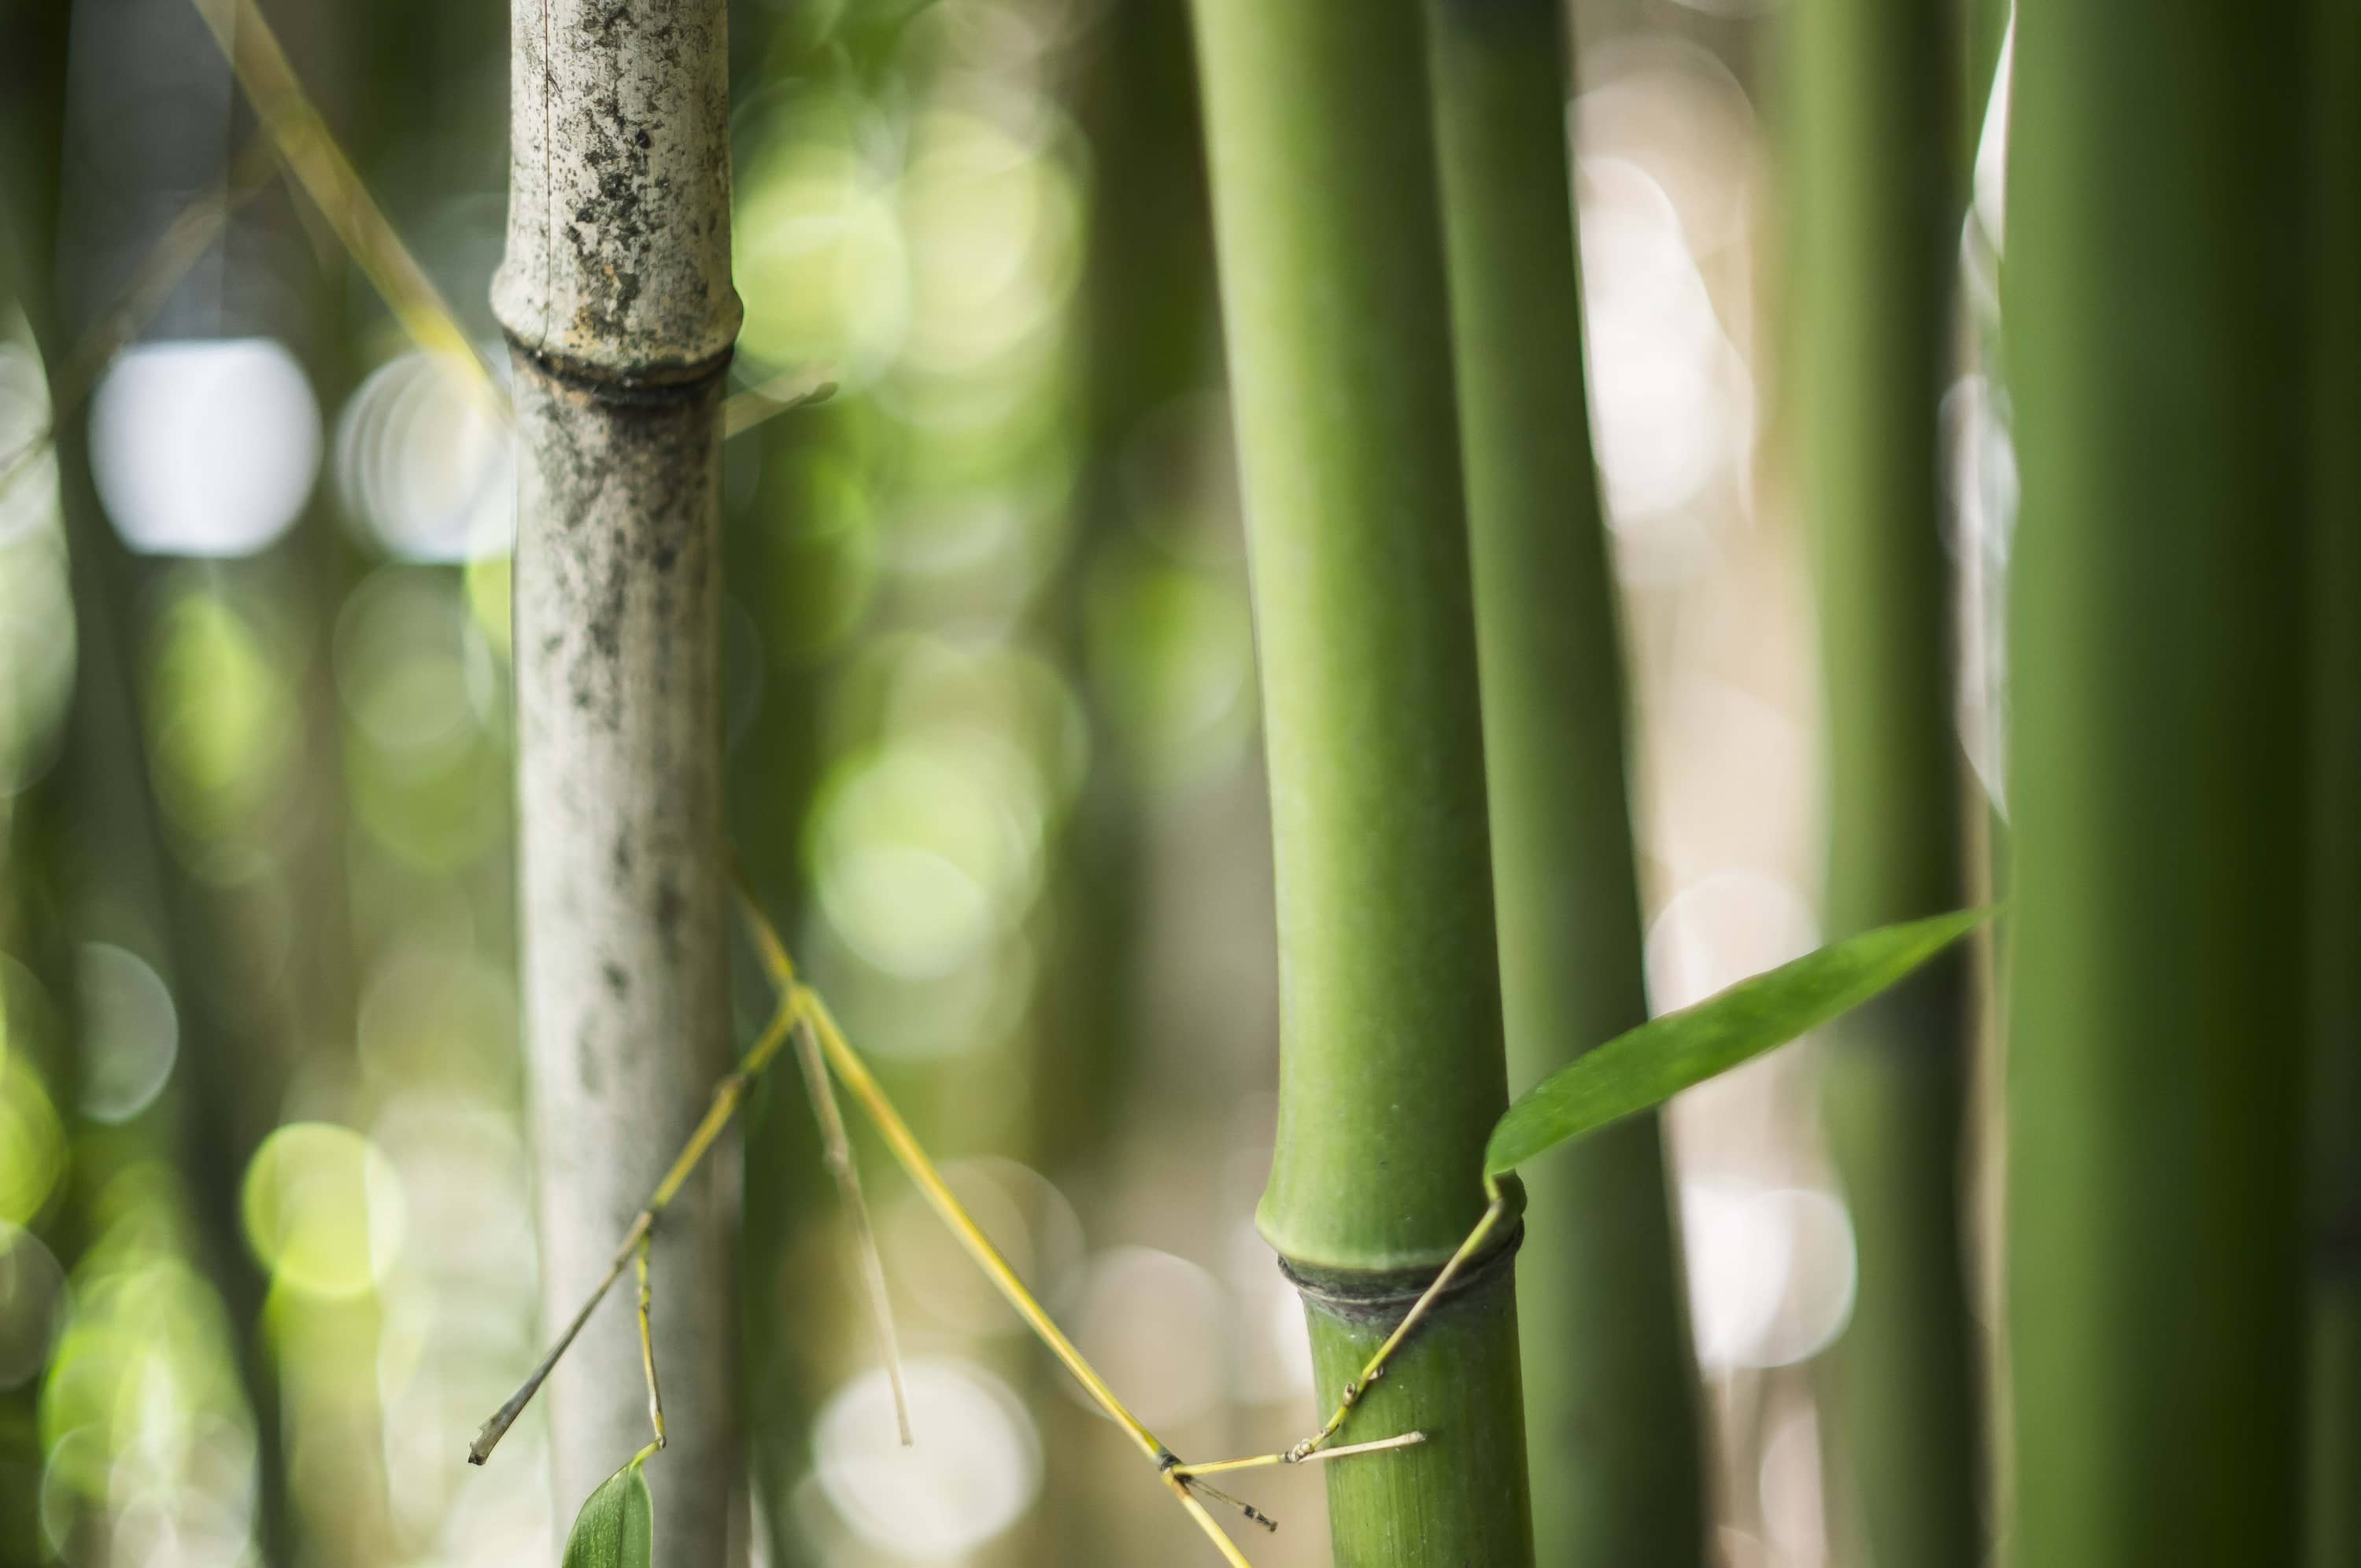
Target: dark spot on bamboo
668 909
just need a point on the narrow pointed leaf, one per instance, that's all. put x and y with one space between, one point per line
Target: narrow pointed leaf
1649 1065
616 1528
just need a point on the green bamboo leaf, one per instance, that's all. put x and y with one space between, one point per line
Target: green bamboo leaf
1649 1065
616 1528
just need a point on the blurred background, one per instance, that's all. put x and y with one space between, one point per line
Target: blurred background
266 1256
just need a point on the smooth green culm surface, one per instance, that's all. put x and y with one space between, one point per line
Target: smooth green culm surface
1874 167
2151 298
1611 1380
1473 1331
1331 270
1335 311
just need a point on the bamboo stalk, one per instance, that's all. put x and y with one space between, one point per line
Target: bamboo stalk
102 791
2333 1384
1877 203
1330 257
615 294
1611 1381
2155 252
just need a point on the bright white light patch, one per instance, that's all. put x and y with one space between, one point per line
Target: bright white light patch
204 446
1154 1323
974 1470
427 467
1772 1273
1674 400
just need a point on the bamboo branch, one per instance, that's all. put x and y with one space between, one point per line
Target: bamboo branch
810 1010
781 394
648 1349
488 1436
836 1151
727 1098
1376 1366
293 129
914 1159
1289 1455
327 176
802 1017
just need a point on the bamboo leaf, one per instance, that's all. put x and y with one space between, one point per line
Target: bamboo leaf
616 1528
1646 1066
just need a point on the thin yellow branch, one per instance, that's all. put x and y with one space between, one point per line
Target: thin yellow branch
836 1151
177 249
300 138
727 1097
1253 1515
854 1073
742 411
488 1436
1497 1206
328 177
1206 1522
855 1076
648 1348
1287 1457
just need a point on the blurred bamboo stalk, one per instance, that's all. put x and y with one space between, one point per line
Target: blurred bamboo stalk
1329 244
2152 305
184 243
1610 1378
102 792
1872 136
615 294
2335 336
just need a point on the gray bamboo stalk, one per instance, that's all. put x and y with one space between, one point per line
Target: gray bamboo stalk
615 295
1870 136
1610 1382
1330 252
2152 302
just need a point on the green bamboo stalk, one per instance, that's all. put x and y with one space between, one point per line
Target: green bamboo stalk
1391 1071
1146 317
1611 1380
2334 1381
769 782
1870 136
2156 251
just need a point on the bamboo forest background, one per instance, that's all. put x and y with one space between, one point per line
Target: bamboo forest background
265 1249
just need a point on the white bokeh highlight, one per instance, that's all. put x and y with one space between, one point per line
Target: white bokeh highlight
974 1471
204 446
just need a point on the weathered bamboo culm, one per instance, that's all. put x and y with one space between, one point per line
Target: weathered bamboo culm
616 298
